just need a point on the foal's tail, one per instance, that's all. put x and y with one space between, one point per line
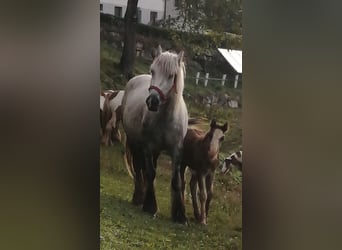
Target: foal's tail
193 121
129 161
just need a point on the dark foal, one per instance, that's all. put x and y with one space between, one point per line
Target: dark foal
200 154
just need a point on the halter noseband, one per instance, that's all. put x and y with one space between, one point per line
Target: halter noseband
160 92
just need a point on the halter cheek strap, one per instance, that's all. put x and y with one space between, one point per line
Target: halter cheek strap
161 94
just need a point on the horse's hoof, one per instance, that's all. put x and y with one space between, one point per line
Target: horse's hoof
137 202
181 220
151 210
204 223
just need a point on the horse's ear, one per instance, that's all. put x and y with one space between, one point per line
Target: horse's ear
225 127
159 50
213 123
180 56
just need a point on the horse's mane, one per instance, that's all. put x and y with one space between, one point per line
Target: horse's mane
200 134
168 63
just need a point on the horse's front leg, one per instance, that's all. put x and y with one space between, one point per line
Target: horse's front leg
150 203
203 198
177 206
138 165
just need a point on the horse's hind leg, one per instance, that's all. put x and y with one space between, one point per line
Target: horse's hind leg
139 189
150 203
193 189
203 198
177 204
209 181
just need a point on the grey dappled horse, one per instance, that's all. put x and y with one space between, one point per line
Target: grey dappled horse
155 119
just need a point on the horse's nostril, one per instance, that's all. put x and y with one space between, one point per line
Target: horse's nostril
154 101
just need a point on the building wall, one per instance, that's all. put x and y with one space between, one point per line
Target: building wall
146 6
171 9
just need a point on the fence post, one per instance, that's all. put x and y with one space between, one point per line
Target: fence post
236 80
223 79
197 77
206 79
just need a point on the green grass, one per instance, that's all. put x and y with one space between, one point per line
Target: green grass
125 226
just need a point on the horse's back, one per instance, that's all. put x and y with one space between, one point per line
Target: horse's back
192 136
117 100
191 146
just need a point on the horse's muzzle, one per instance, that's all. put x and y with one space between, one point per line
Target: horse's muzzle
153 102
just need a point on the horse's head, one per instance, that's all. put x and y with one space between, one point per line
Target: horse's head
216 135
164 71
218 130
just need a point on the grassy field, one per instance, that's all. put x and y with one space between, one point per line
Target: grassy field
125 226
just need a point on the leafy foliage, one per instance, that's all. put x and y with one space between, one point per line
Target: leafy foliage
217 15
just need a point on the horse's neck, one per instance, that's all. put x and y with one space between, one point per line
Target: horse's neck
176 99
178 96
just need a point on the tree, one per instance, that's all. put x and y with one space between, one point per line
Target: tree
128 53
190 15
223 15
216 15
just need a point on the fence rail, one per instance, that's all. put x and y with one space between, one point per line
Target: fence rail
206 78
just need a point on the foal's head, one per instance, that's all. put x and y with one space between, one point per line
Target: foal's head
164 70
216 135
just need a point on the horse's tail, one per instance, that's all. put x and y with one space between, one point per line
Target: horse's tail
129 161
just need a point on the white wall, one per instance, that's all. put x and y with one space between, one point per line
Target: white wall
146 7
171 9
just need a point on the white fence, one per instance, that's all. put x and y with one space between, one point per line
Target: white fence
223 80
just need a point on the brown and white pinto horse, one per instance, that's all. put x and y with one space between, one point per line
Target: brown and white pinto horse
110 116
201 155
234 159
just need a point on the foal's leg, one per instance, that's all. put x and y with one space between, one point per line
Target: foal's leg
209 181
150 203
203 198
193 189
177 207
182 170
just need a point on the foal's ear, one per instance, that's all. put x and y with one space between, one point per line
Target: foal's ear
180 56
213 123
225 127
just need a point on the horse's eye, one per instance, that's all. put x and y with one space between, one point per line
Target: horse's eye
152 72
222 138
170 76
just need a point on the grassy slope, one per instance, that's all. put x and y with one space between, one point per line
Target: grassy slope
124 226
